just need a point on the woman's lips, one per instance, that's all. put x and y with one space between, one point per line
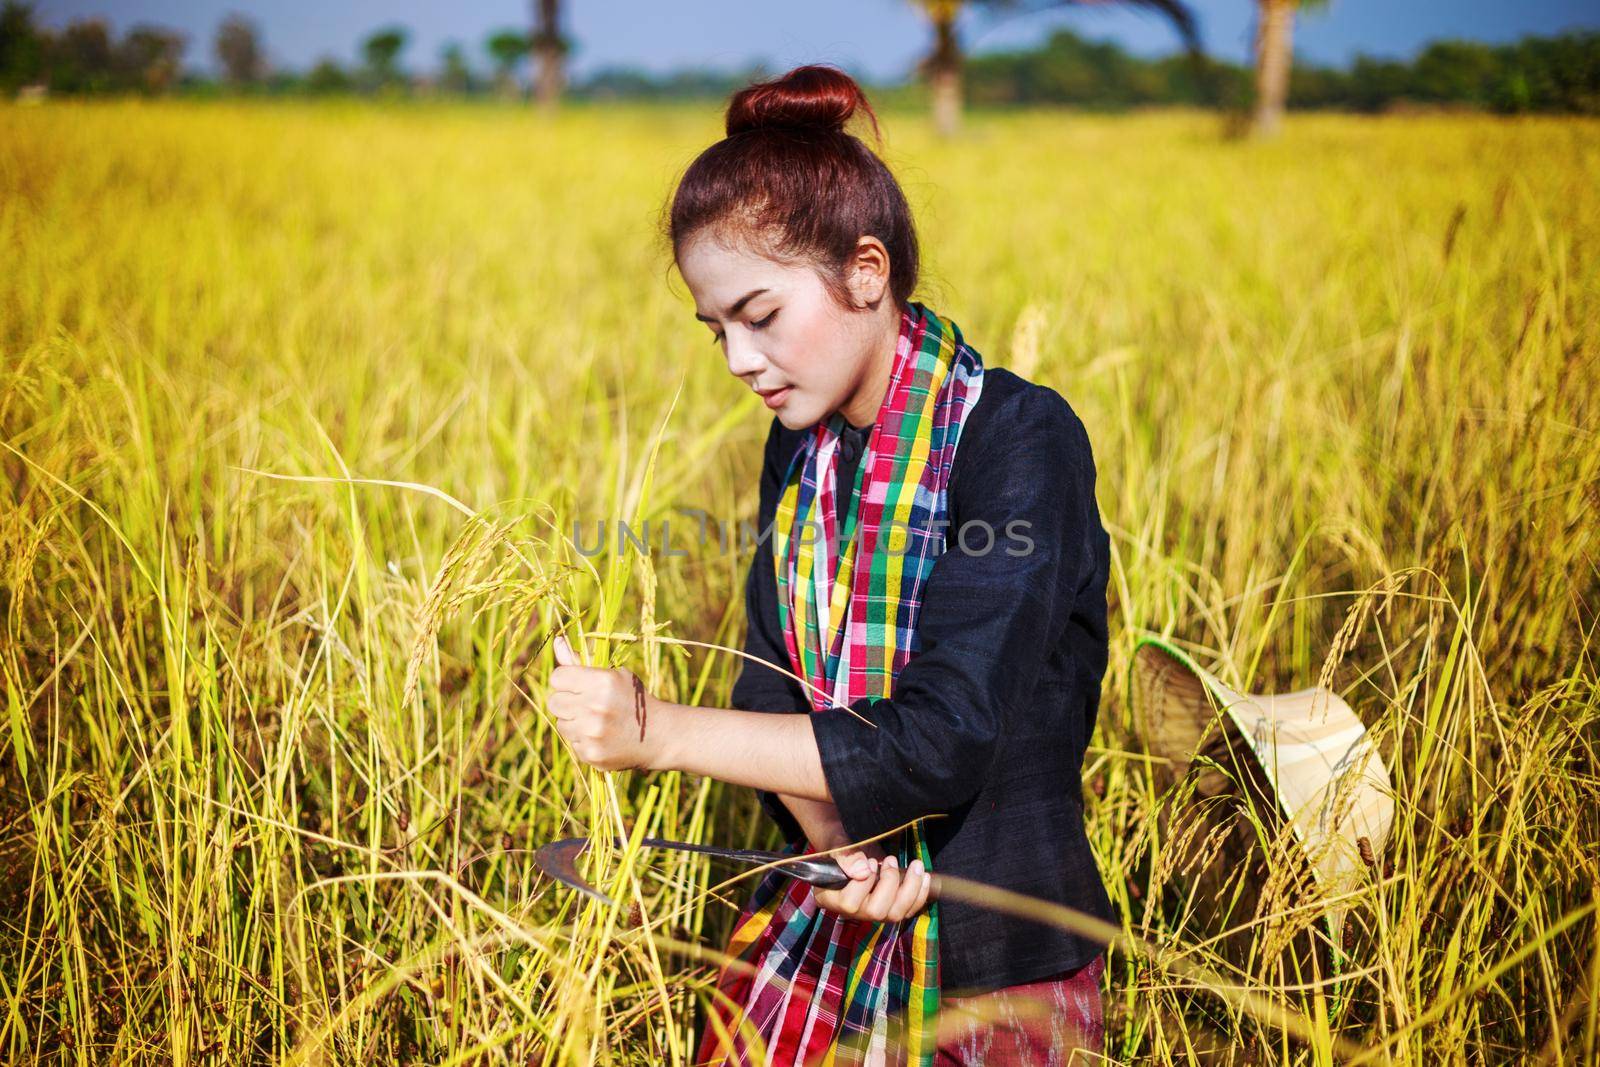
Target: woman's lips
775 400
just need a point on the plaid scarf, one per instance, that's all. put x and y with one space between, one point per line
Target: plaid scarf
830 990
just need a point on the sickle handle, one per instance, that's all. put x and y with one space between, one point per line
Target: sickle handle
822 873
826 874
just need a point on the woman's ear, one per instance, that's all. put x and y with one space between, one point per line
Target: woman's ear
867 273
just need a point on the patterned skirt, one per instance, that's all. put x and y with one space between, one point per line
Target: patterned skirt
1035 1024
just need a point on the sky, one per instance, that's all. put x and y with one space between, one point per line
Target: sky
878 39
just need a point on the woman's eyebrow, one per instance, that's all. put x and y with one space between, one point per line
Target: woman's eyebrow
737 304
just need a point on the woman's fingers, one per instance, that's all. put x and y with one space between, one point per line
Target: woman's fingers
565 657
563 706
879 890
887 895
913 892
927 886
854 895
881 900
847 901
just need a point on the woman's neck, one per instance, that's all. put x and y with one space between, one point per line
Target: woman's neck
861 409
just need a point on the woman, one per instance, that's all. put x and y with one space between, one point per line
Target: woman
936 572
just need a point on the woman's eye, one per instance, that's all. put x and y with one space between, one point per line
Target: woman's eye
758 324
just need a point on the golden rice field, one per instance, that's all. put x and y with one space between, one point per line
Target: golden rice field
274 751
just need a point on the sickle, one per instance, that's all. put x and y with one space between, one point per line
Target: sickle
559 859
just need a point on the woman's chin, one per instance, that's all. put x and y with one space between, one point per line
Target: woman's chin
794 414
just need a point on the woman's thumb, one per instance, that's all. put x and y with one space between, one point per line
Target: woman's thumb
565 657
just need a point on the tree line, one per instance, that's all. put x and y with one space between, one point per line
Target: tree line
86 57
1556 74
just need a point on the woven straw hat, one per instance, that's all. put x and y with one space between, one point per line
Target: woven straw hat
1326 774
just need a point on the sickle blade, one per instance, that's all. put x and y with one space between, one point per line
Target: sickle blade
559 859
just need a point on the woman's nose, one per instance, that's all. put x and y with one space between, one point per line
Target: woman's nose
743 359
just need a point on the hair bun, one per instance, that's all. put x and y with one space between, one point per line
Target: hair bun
810 97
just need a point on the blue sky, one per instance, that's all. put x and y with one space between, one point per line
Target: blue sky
878 38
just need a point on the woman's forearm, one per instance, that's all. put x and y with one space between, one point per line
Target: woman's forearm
758 749
819 820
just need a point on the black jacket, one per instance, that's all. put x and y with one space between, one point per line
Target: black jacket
989 720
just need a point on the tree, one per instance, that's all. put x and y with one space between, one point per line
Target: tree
1274 57
327 77
150 57
82 58
1069 69
238 50
549 52
454 74
507 48
1457 71
382 51
942 66
22 48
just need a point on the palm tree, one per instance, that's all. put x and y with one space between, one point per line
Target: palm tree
507 49
942 65
549 49
382 50
455 76
1274 56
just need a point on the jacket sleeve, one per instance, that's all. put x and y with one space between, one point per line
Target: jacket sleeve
990 616
757 687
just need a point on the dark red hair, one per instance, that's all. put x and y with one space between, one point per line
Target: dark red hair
788 179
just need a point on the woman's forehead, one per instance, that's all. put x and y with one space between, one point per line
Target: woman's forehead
720 273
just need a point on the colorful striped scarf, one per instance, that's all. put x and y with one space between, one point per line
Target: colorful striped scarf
825 989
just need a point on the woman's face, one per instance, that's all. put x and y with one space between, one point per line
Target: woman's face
783 333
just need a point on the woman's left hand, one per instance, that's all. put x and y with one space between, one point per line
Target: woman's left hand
603 712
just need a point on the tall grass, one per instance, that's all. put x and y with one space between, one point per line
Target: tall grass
274 753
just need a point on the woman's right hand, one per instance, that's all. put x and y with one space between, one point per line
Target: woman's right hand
878 891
